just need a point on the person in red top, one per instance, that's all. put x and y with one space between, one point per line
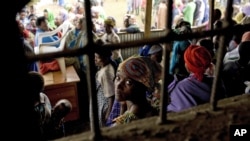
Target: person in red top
27 35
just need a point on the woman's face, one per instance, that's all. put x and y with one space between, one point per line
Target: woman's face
124 86
98 60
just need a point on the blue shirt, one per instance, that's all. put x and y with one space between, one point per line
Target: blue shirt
177 55
115 112
45 39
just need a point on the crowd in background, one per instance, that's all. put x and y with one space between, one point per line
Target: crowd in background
129 89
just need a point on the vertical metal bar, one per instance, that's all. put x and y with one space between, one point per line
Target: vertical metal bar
147 25
220 55
229 11
166 54
94 123
169 14
211 14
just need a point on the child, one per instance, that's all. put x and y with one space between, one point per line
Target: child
48 120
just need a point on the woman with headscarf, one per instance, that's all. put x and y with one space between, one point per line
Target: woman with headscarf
63 15
135 76
195 89
77 38
50 18
209 45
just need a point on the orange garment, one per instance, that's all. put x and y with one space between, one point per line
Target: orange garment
46 66
197 60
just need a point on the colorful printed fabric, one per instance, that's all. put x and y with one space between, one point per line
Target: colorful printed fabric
127 117
140 69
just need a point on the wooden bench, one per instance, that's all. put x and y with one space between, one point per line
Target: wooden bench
57 88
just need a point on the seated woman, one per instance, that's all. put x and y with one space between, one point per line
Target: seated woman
195 89
209 45
131 86
77 38
50 17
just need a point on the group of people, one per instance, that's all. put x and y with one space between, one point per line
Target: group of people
137 85
129 89
49 119
196 12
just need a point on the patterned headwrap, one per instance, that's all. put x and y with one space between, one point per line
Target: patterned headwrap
141 69
109 22
197 60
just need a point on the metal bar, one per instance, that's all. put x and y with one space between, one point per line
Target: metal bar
169 14
166 54
147 25
90 74
211 14
221 52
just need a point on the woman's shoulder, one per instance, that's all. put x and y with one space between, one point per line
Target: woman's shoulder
187 82
107 71
184 82
109 68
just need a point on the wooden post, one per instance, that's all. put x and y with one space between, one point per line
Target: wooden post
148 15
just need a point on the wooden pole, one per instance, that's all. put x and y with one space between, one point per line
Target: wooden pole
148 15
